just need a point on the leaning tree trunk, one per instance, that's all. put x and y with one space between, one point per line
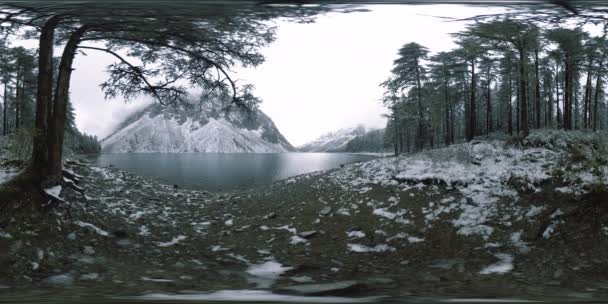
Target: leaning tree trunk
44 97
57 127
525 129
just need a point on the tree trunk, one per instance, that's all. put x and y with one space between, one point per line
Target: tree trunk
395 128
472 112
525 130
587 99
4 117
419 131
558 116
537 90
510 110
17 95
567 97
598 89
57 127
549 100
44 97
447 107
489 128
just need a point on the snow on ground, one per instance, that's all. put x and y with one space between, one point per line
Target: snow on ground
174 241
362 248
89 225
265 274
483 172
7 174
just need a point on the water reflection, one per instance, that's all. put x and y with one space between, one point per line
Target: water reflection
211 171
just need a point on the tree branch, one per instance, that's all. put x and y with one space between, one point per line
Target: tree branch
135 69
182 50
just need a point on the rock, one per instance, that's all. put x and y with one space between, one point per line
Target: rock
270 215
71 236
89 276
123 242
88 250
308 234
558 274
381 281
427 277
325 211
60 279
302 279
120 234
337 288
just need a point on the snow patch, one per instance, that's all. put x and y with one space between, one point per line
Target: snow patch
174 241
504 265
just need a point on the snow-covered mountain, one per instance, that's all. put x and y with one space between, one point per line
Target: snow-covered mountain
334 141
198 128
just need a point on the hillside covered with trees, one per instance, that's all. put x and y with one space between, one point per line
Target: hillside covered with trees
18 79
507 75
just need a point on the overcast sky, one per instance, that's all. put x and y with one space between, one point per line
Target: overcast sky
317 77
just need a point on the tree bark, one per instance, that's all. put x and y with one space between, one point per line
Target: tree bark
57 127
40 158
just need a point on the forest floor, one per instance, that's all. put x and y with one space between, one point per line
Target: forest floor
486 219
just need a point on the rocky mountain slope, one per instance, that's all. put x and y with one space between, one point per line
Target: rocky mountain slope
199 128
357 139
334 141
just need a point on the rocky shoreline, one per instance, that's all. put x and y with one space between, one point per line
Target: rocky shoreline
396 228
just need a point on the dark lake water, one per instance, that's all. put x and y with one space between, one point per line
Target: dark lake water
226 171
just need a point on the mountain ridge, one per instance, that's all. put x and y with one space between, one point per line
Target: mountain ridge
196 127
339 141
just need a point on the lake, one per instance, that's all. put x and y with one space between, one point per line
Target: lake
226 171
